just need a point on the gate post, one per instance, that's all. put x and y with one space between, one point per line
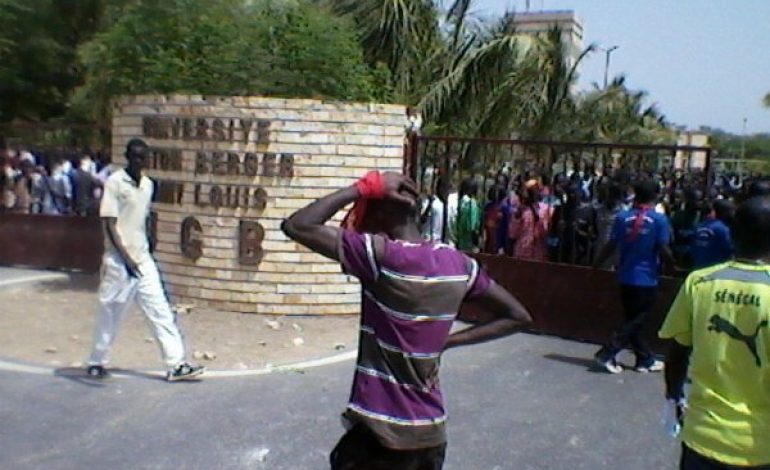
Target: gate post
411 157
709 170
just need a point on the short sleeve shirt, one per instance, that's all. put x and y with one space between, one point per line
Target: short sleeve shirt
723 314
711 244
130 204
411 293
639 255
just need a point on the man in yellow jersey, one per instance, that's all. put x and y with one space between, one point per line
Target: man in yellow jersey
720 325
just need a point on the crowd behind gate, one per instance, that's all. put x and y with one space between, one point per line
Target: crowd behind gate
568 217
564 218
52 182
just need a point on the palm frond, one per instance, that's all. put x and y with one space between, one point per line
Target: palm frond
478 68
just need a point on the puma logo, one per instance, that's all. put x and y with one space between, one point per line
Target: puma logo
720 325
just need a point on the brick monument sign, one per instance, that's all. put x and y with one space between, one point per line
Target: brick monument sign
229 169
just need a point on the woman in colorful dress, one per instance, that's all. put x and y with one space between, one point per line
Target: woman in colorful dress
530 224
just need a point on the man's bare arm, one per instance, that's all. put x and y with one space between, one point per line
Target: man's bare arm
668 256
604 254
677 361
307 225
510 317
117 242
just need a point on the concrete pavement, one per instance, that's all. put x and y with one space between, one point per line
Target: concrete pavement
526 402
51 324
15 276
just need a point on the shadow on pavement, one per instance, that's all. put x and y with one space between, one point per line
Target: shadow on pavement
588 364
77 282
79 375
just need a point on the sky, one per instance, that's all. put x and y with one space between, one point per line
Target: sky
703 62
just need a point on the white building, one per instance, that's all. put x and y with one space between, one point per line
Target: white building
691 160
537 23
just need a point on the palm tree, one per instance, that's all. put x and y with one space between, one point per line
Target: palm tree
617 114
480 74
469 77
402 34
483 79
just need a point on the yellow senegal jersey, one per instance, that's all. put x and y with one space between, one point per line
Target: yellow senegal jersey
722 312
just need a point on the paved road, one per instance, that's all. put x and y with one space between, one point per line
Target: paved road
527 402
12 276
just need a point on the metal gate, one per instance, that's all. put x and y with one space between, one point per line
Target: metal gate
51 241
459 157
565 300
572 302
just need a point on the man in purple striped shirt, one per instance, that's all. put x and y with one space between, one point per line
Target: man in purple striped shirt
411 293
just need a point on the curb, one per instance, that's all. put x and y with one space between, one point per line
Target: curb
34 278
10 366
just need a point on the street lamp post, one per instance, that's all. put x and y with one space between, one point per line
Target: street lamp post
607 53
743 140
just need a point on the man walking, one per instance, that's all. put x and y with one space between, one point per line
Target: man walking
412 290
129 272
720 324
711 243
85 185
642 235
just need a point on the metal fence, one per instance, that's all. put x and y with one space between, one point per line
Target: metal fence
440 164
459 158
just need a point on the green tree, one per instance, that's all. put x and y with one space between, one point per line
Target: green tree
729 145
482 78
402 35
468 76
315 54
34 73
38 53
617 114
227 47
766 100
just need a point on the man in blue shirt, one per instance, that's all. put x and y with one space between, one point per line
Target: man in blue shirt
712 243
642 236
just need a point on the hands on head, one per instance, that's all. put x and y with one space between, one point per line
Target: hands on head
399 188
308 225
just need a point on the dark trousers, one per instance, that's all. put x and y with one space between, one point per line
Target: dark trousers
637 303
359 449
692 460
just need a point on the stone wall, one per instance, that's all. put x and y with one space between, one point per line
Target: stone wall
224 162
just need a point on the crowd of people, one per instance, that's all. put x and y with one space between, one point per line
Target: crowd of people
412 290
52 182
715 373
569 217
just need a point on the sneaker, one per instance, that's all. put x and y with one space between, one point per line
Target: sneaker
184 371
608 365
653 366
97 372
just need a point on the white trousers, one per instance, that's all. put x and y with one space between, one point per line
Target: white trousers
117 291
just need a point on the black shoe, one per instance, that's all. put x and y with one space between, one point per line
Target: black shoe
97 372
184 371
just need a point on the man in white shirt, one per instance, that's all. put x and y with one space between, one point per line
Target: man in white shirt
432 219
129 272
452 203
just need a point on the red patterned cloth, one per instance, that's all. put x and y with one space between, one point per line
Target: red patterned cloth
370 186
